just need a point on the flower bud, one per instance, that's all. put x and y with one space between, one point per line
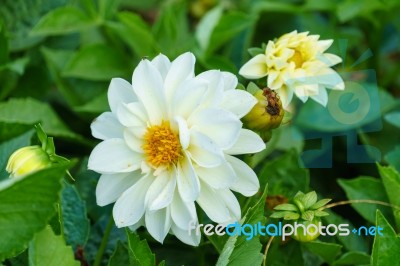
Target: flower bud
27 160
267 113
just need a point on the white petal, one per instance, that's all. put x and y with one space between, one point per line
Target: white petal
247 182
111 186
232 204
238 102
188 96
230 81
184 134
221 126
204 151
106 126
132 114
135 226
215 89
331 59
187 237
322 97
162 63
330 79
248 142
130 207
286 95
222 176
148 86
158 223
120 91
132 140
213 205
182 68
187 180
161 191
255 68
323 45
182 212
113 156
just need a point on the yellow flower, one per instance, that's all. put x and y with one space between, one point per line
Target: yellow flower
296 63
27 160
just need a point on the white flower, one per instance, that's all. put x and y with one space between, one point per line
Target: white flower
296 63
168 143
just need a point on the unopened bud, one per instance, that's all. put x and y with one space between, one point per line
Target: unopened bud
267 113
27 160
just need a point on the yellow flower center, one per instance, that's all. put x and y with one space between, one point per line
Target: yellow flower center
161 145
297 59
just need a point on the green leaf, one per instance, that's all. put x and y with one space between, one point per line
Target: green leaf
320 204
206 26
386 246
286 207
309 199
98 105
307 215
291 216
281 214
284 175
26 205
229 26
350 242
391 182
240 251
135 33
97 62
139 250
393 118
366 188
327 251
9 147
30 112
120 256
255 51
353 258
49 249
73 214
62 20
320 213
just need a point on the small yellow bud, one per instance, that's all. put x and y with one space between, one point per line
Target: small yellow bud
27 160
267 114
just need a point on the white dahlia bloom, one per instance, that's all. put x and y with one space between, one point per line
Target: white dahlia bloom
168 143
296 63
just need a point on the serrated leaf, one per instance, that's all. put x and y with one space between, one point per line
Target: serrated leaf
238 250
286 207
366 188
291 216
30 112
26 204
120 256
309 199
307 215
97 62
139 250
48 249
386 246
320 204
320 213
9 147
73 213
391 182
63 20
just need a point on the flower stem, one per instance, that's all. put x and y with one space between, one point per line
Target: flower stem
346 202
104 242
266 250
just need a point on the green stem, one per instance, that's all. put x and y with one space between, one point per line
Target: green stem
266 250
346 202
104 242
